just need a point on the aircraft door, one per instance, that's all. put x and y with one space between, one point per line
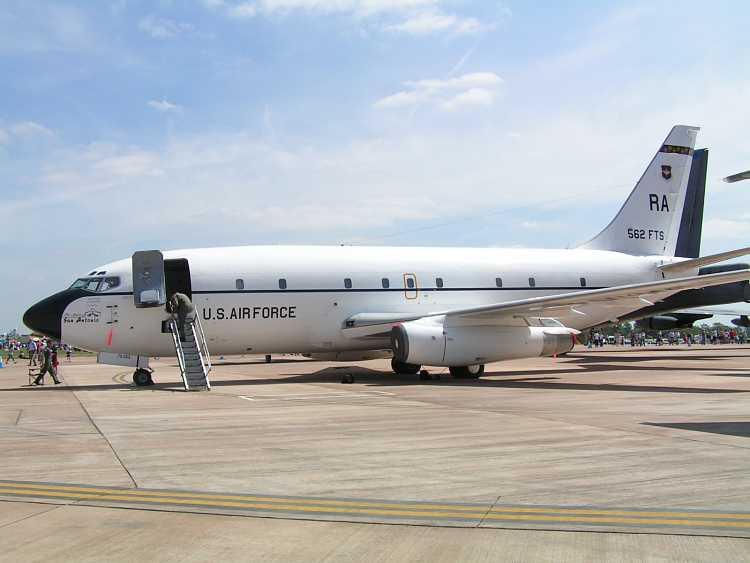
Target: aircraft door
177 277
148 279
411 289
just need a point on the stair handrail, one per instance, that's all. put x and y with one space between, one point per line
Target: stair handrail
175 331
201 343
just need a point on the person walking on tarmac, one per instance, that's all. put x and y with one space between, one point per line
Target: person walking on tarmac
32 352
181 305
11 355
48 366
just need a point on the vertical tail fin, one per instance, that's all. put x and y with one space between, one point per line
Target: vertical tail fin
649 221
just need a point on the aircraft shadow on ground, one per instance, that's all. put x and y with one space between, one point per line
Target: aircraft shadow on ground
728 428
586 358
524 379
543 380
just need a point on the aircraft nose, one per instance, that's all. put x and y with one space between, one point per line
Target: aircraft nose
45 317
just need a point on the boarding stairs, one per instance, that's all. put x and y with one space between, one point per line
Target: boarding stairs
192 353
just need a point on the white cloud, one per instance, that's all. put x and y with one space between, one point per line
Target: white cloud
23 131
401 99
162 28
164 106
429 22
243 11
473 97
28 129
413 17
471 80
360 8
474 89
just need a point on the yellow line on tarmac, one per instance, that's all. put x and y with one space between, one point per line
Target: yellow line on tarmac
515 513
258 506
605 512
380 512
608 520
178 494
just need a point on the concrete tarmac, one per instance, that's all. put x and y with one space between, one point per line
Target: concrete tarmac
599 447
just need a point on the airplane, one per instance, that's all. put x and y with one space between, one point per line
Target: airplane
459 308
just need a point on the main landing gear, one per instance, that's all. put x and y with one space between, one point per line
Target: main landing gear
458 372
403 368
467 372
142 377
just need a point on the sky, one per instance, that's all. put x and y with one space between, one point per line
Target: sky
128 125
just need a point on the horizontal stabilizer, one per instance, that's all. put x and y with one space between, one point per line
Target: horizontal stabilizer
689 265
738 177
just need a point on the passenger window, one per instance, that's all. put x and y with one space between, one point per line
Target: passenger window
282 283
348 283
583 282
386 283
532 282
499 282
239 283
439 282
410 282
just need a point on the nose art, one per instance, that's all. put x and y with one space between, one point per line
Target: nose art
45 317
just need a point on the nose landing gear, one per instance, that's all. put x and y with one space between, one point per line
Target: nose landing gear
142 377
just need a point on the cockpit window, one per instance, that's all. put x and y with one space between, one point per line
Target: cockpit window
96 284
109 283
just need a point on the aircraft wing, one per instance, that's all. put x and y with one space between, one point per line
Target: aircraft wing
617 300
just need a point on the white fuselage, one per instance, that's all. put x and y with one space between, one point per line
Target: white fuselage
309 314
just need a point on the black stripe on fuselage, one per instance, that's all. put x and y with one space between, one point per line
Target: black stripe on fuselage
392 290
369 290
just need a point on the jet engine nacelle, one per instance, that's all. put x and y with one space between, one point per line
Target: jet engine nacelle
671 321
433 344
741 321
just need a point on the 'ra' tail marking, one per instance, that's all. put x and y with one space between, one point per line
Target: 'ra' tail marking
649 221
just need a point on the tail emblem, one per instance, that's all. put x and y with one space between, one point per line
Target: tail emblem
666 171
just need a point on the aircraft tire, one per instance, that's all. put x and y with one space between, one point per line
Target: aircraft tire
142 378
467 372
403 368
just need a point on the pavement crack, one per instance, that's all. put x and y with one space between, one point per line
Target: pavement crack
487 513
104 437
32 515
18 418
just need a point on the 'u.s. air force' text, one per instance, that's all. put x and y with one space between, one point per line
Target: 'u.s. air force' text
240 313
